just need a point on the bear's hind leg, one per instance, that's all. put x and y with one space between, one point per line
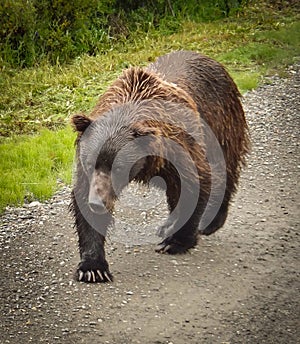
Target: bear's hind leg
217 222
181 233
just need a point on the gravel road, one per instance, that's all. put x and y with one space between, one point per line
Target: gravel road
240 285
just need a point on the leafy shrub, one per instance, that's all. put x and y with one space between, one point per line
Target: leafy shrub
17 27
59 30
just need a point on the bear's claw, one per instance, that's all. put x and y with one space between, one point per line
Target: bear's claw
171 248
108 276
172 245
93 271
80 275
91 276
162 248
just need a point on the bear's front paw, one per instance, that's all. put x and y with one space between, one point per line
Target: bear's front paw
93 271
174 246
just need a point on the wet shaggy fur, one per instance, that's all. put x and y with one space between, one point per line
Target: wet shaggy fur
169 104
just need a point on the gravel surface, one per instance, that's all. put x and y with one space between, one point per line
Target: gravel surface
240 285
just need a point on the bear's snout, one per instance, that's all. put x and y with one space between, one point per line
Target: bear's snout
96 205
99 196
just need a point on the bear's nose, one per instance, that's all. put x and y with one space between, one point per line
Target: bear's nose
96 205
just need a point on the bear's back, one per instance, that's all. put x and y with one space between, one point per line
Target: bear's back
173 67
203 78
138 84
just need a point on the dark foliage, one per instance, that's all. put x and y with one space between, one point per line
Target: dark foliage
55 30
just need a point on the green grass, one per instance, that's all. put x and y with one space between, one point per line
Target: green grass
35 105
33 167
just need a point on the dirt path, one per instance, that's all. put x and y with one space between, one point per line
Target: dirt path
240 285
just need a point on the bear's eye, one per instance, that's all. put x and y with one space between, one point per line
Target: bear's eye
117 169
90 167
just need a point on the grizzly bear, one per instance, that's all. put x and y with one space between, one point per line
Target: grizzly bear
178 120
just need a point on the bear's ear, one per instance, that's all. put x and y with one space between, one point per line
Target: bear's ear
143 129
80 122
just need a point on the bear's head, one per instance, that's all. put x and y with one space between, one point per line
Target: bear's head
111 150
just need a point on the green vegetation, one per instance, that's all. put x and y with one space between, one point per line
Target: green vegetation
57 31
33 167
36 144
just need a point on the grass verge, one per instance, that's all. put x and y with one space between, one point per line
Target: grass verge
33 167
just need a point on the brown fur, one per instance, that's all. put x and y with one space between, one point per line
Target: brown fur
137 84
206 88
217 99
